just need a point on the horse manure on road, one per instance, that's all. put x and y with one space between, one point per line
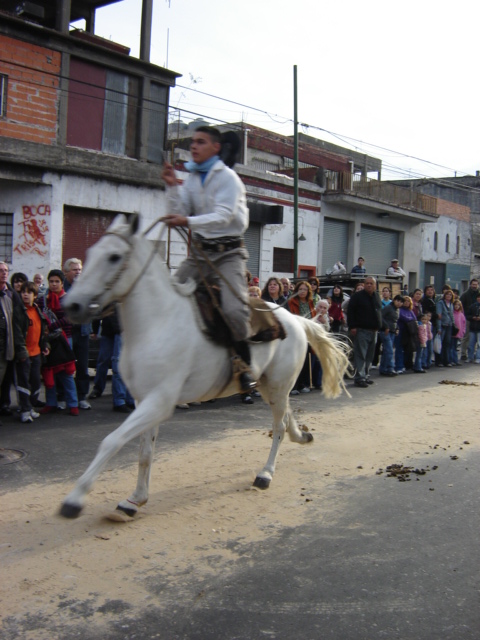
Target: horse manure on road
403 473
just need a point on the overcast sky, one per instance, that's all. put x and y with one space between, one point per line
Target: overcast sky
399 75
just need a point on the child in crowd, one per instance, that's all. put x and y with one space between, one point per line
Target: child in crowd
322 318
461 323
422 343
30 339
428 353
254 292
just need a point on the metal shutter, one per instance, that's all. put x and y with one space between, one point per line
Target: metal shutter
82 228
335 243
252 243
378 247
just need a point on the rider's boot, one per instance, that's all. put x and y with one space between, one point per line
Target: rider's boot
246 380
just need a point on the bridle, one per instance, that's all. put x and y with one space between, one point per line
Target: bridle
109 284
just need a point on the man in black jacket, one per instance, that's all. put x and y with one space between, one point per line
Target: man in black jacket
473 317
364 316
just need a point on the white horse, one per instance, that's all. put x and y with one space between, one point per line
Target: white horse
167 359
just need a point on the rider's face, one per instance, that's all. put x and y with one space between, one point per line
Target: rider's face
202 147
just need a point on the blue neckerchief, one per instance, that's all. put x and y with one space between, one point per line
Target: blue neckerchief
203 168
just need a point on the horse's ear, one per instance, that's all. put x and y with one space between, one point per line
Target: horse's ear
133 219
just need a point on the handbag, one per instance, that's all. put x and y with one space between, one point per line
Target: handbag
455 330
437 344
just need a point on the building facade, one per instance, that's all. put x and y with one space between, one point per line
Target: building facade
82 134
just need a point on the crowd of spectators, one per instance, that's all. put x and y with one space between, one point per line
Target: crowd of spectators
39 344
407 333
396 335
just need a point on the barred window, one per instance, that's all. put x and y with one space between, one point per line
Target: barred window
6 237
3 95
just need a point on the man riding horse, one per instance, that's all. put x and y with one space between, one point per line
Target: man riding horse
212 204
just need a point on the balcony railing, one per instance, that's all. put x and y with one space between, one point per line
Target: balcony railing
344 182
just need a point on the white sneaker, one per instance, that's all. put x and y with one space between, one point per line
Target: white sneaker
305 390
294 392
61 404
83 404
26 417
34 414
477 361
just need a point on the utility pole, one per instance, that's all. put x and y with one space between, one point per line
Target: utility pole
295 174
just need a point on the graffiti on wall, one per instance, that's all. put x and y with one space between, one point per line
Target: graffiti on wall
34 228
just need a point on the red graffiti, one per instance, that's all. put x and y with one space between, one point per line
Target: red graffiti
34 229
31 212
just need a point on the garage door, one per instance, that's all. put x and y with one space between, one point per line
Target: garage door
335 243
82 228
252 243
378 247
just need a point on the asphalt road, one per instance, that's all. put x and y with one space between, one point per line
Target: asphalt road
396 563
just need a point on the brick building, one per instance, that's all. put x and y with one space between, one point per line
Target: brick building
82 131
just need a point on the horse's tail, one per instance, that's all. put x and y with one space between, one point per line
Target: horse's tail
333 356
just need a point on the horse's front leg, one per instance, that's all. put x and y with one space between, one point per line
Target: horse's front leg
127 509
149 413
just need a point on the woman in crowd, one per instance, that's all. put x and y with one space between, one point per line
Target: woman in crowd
460 327
444 327
416 303
302 305
17 280
273 291
315 284
60 365
406 339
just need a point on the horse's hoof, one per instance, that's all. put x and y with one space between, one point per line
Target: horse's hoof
70 510
261 483
122 514
308 437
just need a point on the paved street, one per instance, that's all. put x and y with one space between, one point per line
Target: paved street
393 560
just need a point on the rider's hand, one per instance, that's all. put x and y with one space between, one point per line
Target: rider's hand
168 175
175 220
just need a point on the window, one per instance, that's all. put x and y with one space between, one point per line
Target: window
458 245
6 236
3 95
283 260
435 241
104 115
447 243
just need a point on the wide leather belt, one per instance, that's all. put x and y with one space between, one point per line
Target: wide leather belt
221 247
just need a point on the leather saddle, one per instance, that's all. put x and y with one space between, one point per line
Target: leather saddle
265 325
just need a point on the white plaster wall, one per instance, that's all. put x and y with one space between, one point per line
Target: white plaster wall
453 228
60 190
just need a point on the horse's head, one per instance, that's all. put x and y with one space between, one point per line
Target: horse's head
111 270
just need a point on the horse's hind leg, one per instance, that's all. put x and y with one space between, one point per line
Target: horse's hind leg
283 420
295 433
128 508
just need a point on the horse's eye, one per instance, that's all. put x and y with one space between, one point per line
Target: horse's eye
115 257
